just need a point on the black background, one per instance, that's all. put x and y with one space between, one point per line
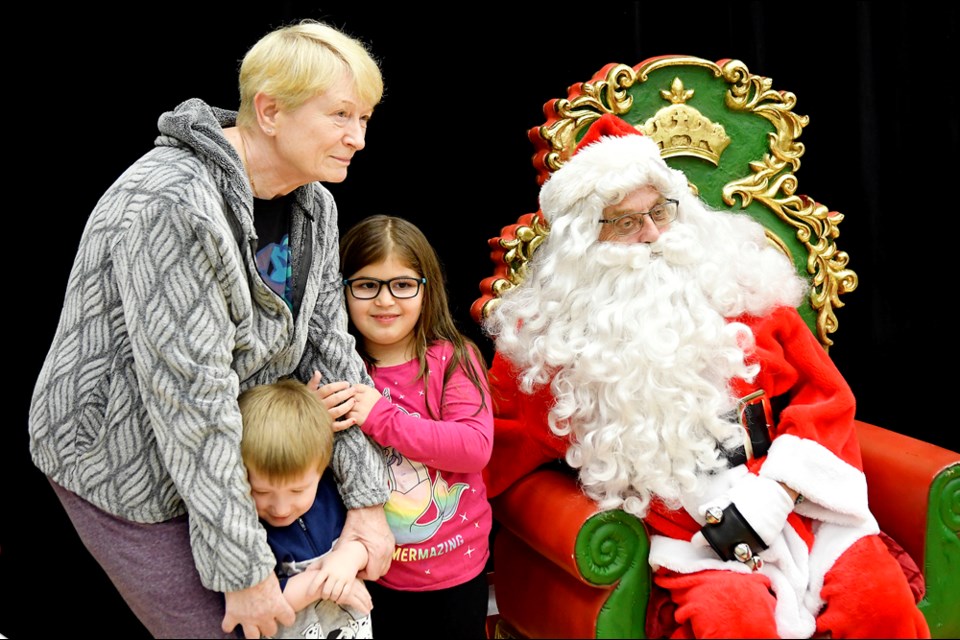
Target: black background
448 149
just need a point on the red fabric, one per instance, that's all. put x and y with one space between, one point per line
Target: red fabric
607 125
673 523
821 405
522 439
867 596
881 606
704 605
821 408
911 571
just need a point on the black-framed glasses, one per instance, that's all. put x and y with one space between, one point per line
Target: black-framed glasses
369 288
631 223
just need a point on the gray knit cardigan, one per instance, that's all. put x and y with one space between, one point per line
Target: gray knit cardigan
165 320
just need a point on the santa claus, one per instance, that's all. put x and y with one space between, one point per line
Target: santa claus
655 345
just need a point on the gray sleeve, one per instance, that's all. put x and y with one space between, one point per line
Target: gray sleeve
358 463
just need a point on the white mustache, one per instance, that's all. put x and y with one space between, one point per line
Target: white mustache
679 245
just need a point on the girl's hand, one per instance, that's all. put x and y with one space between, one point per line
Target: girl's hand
337 397
364 397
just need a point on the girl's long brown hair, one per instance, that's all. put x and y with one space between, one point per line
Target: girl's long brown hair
376 239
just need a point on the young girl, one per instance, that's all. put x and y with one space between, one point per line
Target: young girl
431 413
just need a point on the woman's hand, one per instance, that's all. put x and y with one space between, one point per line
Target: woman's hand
259 610
369 526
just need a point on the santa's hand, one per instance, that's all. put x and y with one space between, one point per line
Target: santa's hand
756 514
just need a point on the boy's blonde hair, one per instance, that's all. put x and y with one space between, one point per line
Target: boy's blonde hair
286 430
297 62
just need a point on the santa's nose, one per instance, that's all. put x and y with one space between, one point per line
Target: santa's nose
650 233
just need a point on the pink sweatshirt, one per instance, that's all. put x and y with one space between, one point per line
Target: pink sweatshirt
438 509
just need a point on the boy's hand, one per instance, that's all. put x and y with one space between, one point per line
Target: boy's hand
328 585
369 526
336 573
359 598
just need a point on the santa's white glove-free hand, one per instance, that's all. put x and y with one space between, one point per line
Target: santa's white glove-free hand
763 503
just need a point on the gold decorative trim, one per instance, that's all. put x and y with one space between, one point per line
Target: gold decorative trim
596 98
771 182
681 130
517 253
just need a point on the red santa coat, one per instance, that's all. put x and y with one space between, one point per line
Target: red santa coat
815 451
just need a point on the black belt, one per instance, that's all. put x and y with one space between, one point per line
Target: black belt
758 415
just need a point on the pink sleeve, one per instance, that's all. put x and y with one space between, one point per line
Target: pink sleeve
460 441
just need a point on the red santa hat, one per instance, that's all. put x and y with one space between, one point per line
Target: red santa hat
612 160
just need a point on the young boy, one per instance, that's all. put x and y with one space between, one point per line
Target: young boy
286 447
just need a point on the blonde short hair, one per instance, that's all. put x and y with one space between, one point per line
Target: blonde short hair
286 430
295 63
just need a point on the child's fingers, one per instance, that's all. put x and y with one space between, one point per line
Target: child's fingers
343 423
358 598
341 387
332 589
337 397
341 408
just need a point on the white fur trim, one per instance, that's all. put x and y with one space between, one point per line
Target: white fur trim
712 490
833 490
830 542
606 171
785 564
688 557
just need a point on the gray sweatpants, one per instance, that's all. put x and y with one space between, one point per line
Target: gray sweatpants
152 567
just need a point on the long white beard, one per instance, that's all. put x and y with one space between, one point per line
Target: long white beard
636 343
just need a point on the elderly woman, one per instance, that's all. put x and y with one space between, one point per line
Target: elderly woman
208 267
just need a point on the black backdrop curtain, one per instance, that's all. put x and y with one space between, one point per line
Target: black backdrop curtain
447 149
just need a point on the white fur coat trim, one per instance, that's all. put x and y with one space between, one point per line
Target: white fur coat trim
833 490
604 172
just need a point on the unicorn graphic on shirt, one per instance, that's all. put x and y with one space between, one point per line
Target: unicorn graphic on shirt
418 504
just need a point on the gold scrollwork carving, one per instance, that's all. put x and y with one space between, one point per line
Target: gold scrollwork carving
771 181
517 253
753 94
774 184
596 98
816 228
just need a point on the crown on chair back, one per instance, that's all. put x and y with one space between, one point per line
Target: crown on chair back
681 130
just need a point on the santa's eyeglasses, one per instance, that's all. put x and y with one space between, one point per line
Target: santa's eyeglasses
631 223
369 288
